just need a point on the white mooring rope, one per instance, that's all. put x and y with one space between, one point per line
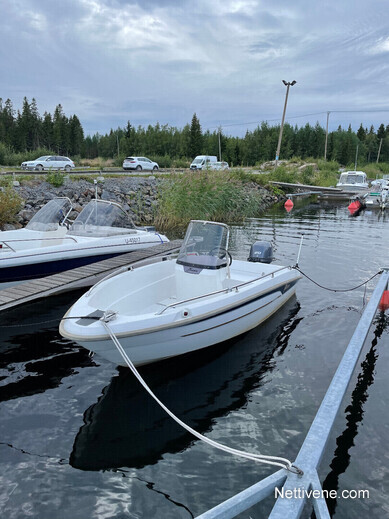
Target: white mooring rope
270 460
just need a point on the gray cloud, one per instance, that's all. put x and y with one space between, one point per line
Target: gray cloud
161 60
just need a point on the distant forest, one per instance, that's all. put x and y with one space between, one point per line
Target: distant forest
26 133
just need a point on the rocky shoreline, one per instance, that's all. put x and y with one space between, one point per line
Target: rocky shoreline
137 195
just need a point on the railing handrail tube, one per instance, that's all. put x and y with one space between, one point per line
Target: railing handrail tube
221 291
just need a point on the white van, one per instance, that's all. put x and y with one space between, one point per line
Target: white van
203 161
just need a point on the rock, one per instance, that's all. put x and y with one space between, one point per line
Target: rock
26 214
11 227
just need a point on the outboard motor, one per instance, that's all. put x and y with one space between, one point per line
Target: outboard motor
261 251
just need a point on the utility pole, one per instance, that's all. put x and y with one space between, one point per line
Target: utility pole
287 84
356 158
220 147
325 145
379 150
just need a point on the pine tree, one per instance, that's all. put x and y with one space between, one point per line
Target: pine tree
361 134
76 136
381 131
36 125
47 131
196 137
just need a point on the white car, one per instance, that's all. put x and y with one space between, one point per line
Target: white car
219 165
49 162
139 163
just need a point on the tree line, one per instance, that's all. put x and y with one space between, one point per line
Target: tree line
26 131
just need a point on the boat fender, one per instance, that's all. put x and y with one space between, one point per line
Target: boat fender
185 312
355 206
384 302
261 252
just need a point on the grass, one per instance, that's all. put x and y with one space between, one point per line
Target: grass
314 173
6 180
10 205
202 195
374 170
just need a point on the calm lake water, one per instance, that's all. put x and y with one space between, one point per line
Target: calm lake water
80 439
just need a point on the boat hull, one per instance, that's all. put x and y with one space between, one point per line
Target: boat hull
37 264
27 272
178 340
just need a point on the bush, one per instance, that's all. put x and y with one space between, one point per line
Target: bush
181 163
10 205
374 170
55 178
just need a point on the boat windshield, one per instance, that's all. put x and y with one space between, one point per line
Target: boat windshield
205 245
102 218
352 178
51 215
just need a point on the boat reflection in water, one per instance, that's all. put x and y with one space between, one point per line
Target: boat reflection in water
126 428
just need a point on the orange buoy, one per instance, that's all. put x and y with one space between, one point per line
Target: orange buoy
288 205
384 303
354 207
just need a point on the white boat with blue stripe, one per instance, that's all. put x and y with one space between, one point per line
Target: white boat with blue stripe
51 243
173 307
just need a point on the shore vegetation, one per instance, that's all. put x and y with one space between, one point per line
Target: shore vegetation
207 195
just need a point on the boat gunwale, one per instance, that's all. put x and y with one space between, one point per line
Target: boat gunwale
170 325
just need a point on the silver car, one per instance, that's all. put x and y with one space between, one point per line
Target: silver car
49 162
219 166
139 163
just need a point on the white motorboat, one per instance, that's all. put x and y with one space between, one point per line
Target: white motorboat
51 243
379 198
353 181
180 305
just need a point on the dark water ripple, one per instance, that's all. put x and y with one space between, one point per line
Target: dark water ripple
79 438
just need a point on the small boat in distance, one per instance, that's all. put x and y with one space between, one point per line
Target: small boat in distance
379 198
51 243
180 305
353 181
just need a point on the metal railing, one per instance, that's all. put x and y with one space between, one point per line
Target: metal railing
7 242
308 459
221 291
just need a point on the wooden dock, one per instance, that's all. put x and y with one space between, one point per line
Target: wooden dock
79 277
323 193
307 187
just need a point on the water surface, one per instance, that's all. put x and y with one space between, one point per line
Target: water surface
80 439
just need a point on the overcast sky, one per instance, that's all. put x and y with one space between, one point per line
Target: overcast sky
109 61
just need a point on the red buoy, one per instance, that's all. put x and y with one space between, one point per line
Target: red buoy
384 303
288 205
355 206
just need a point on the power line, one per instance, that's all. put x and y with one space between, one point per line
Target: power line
385 110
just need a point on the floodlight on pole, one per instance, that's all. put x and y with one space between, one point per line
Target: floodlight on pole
287 84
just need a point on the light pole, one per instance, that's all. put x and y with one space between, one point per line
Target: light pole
287 84
220 147
325 144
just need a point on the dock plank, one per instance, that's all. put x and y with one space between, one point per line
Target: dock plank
71 279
